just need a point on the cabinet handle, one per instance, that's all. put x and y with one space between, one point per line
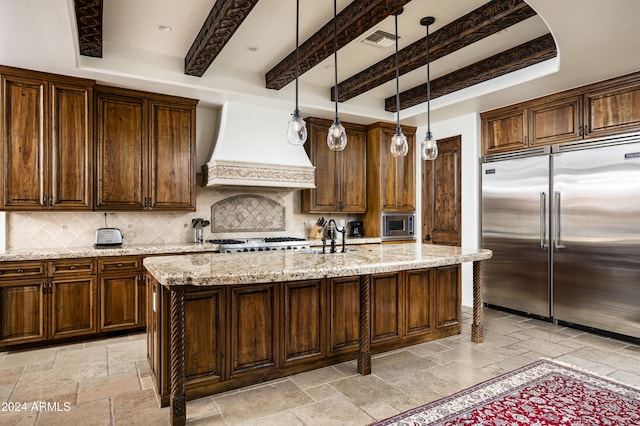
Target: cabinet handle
20 270
119 265
50 200
72 267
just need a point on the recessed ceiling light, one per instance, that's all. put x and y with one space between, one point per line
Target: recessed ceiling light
253 49
164 28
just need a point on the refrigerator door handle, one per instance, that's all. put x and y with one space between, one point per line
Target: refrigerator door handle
543 220
556 239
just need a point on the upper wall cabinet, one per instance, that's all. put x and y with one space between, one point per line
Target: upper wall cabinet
46 123
601 109
391 184
340 175
145 151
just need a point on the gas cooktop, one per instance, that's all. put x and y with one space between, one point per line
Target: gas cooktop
261 244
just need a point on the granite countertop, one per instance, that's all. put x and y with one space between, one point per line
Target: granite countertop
90 251
290 265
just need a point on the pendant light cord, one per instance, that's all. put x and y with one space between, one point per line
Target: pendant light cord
296 113
397 82
335 54
428 87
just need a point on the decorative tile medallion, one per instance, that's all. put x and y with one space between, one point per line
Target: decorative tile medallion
247 213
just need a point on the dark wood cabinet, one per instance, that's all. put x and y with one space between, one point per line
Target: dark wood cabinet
390 180
304 319
70 299
254 330
145 151
344 315
387 308
613 107
601 109
236 335
57 301
505 131
340 175
47 136
23 311
121 293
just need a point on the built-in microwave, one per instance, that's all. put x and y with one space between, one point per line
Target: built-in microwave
397 226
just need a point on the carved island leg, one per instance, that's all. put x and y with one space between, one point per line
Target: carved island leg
178 415
364 350
476 326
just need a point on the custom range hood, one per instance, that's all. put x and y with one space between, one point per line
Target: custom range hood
251 149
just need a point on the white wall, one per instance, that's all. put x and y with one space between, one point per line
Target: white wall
468 126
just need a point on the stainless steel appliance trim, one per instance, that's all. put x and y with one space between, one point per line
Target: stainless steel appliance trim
532 152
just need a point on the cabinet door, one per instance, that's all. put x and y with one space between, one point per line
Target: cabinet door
71 147
340 175
121 169
303 320
24 138
418 302
172 152
504 131
397 174
73 306
204 334
344 317
353 175
119 301
556 121
386 307
23 312
613 110
325 196
448 296
254 328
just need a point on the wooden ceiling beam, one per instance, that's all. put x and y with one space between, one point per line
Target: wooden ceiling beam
484 21
223 21
355 19
522 56
89 23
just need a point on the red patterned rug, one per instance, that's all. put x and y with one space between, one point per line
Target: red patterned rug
543 393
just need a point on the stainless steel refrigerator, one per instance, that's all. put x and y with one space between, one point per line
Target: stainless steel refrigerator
564 225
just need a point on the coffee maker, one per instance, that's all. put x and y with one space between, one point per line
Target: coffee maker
355 228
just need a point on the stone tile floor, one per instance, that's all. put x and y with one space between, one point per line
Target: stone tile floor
107 382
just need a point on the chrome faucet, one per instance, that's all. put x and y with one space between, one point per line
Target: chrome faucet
331 233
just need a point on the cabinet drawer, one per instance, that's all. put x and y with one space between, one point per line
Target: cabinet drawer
72 267
15 270
129 263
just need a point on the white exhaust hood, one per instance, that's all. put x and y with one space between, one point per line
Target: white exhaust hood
251 149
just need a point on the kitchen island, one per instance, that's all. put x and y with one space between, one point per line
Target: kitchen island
220 321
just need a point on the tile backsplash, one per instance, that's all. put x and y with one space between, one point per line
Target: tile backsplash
32 230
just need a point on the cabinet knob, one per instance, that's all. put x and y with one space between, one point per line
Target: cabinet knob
119 265
73 267
20 270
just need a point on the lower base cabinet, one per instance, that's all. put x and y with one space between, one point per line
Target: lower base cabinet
246 334
45 302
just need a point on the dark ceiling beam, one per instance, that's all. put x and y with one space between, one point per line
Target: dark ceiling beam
355 19
525 55
484 21
223 21
89 23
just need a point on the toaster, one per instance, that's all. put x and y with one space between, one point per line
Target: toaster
108 237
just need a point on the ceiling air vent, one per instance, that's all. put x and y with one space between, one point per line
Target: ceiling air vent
381 39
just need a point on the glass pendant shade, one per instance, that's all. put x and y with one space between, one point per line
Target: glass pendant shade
399 146
337 136
429 147
297 131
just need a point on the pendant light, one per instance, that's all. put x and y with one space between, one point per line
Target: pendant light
297 131
429 147
399 146
337 137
